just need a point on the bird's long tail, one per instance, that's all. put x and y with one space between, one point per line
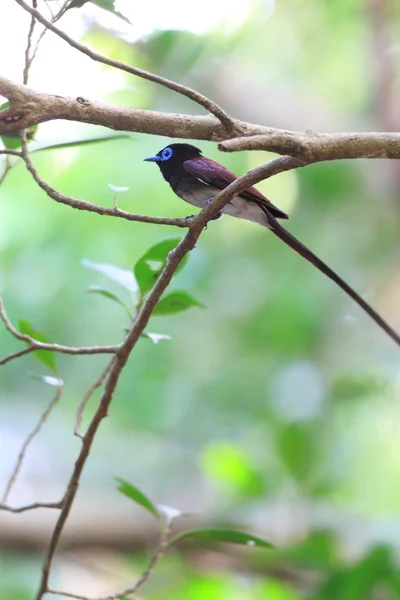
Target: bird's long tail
289 239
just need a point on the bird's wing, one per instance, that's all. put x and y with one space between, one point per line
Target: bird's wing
212 173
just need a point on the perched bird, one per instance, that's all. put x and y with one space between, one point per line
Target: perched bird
197 179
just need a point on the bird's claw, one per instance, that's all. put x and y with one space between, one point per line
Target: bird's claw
207 203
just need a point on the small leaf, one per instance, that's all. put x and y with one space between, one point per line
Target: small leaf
109 5
121 276
137 496
176 302
45 356
77 4
105 4
149 267
117 188
96 289
156 337
12 141
232 536
47 379
76 143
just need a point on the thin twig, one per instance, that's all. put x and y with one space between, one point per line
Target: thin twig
28 58
36 345
28 440
159 552
34 53
205 102
10 357
155 559
7 169
88 206
34 506
87 396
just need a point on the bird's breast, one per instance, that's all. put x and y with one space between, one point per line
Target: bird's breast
192 190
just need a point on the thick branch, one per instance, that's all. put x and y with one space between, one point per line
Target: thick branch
30 107
314 147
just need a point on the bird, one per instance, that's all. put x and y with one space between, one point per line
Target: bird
197 180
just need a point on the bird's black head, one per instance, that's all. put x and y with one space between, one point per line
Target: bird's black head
172 156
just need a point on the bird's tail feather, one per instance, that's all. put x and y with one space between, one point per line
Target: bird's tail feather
289 239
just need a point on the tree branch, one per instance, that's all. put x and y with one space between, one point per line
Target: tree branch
315 147
88 206
28 440
205 102
34 506
28 57
36 345
140 322
29 107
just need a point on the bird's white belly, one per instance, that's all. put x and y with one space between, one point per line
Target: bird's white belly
245 209
237 207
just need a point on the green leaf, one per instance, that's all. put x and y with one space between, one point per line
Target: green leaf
137 496
121 276
77 4
149 267
96 289
12 141
46 357
77 143
231 536
105 4
109 5
176 302
297 446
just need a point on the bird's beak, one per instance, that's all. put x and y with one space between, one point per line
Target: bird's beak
154 158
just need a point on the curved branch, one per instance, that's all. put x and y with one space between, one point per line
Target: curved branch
27 442
88 206
205 102
36 345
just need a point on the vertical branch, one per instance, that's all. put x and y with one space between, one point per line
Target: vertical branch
28 441
28 57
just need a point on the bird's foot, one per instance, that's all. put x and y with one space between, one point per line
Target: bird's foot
207 203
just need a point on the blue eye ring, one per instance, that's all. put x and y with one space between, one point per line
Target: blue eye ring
166 154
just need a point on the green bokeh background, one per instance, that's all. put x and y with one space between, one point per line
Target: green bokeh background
277 406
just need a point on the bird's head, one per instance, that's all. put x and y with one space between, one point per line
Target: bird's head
172 156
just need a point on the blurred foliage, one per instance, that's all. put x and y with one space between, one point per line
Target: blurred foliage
276 406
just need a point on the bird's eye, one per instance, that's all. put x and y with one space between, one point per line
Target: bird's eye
166 154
